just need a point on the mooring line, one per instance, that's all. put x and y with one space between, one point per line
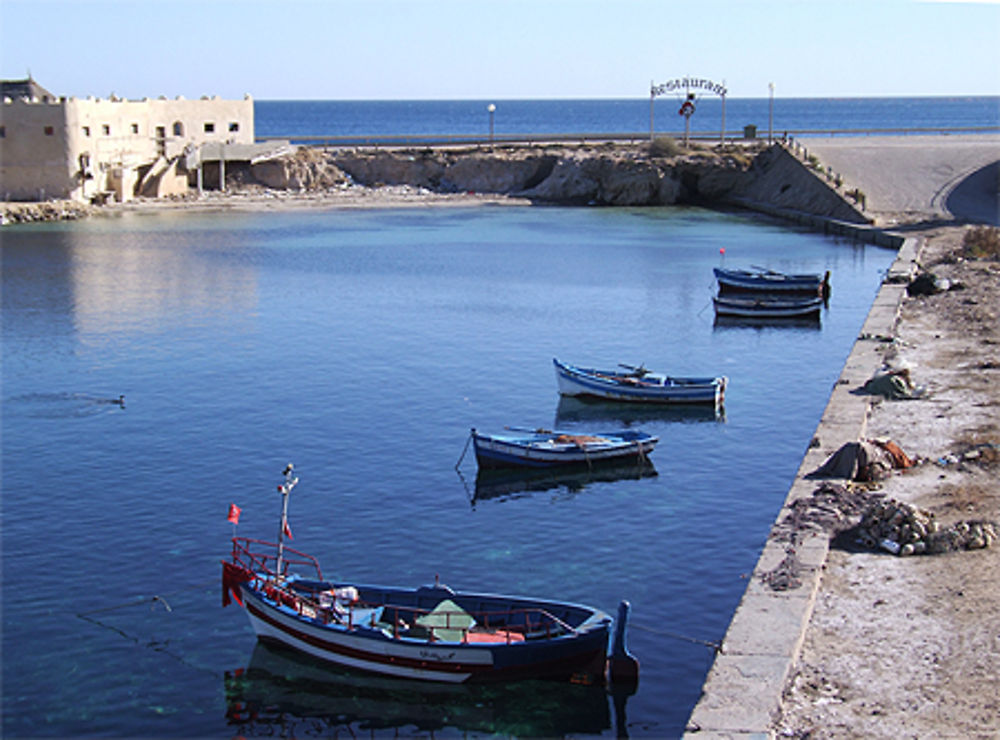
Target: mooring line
716 646
140 600
464 450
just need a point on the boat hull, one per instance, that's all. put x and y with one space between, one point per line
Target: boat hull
365 648
766 308
616 386
544 450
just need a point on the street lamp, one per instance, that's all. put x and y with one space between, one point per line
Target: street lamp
492 109
770 114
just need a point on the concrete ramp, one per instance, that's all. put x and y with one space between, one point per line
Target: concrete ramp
916 178
977 197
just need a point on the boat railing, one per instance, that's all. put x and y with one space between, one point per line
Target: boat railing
261 557
507 625
511 624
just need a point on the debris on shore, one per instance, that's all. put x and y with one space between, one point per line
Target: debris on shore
880 523
904 529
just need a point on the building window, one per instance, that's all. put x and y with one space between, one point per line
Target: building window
161 132
135 128
106 129
49 131
178 128
209 128
234 126
86 130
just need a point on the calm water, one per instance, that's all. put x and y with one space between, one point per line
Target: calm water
279 118
362 346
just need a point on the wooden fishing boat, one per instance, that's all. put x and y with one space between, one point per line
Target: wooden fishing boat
767 307
430 633
637 384
542 448
761 280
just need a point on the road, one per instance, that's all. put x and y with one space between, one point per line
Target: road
918 178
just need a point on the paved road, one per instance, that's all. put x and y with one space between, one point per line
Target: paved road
908 178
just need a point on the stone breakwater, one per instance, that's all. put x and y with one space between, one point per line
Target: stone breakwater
769 179
608 175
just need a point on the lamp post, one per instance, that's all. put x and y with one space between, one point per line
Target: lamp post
770 114
492 109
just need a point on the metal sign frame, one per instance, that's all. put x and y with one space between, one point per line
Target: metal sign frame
687 109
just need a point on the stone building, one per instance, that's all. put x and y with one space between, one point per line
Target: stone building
95 149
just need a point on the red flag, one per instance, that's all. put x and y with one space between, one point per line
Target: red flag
234 514
288 531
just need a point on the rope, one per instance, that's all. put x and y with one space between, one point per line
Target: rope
716 646
152 600
160 646
464 450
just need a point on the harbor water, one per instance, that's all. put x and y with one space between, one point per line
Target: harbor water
363 345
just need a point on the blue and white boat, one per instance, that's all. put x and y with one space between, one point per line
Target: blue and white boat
544 448
768 307
430 633
637 384
761 280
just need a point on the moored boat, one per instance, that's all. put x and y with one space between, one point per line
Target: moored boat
429 633
767 307
762 280
638 384
542 448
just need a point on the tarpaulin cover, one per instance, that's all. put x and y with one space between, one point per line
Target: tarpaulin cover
865 460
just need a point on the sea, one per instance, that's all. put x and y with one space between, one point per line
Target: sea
159 367
780 116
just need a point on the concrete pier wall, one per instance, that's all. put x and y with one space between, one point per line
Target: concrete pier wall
742 693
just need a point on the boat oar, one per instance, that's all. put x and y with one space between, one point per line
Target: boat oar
537 430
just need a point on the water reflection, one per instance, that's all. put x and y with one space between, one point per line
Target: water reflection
750 322
571 410
511 483
281 692
106 281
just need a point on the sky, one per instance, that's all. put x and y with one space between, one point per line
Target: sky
500 49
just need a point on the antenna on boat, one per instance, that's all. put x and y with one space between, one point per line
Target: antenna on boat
284 489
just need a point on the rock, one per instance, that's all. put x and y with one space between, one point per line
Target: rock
307 169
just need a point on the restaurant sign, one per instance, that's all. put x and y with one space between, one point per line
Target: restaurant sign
686 84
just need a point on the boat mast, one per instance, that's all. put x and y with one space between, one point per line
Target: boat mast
284 489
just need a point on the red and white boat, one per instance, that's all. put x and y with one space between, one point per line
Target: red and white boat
430 633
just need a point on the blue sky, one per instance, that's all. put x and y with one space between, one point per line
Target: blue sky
499 49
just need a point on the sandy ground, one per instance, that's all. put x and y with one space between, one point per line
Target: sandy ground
253 198
910 647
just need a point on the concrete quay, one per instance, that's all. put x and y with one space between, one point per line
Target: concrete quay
744 686
917 186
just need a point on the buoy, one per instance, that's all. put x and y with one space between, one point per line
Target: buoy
623 668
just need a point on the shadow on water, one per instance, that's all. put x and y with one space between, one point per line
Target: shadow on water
576 410
67 405
283 693
503 484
